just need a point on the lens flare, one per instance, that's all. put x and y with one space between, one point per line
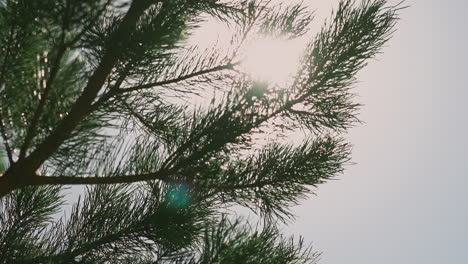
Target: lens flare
179 196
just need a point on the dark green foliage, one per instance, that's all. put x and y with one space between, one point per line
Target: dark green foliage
234 242
24 216
107 94
116 222
277 177
338 52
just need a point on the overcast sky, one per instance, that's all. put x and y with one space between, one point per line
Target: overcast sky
405 201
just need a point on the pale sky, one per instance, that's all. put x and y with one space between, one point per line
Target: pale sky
406 199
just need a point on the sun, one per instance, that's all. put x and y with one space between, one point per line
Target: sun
271 60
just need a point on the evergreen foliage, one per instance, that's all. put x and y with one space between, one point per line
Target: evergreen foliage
98 93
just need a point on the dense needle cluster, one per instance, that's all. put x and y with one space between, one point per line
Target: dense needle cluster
101 94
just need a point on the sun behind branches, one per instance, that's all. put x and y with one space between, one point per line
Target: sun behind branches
272 60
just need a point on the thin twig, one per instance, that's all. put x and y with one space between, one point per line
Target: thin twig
2 79
162 175
229 66
89 25
5 140
31 133
104 98
32 129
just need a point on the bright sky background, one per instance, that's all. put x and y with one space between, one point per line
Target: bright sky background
406 200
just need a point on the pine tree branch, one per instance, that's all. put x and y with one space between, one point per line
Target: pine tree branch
315 81
83 105
249 27
286 107
6 186
137 115
32 129
88 247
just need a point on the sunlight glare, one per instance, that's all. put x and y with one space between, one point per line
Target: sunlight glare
272 60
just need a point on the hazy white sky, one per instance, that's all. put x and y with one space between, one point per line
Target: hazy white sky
405 201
